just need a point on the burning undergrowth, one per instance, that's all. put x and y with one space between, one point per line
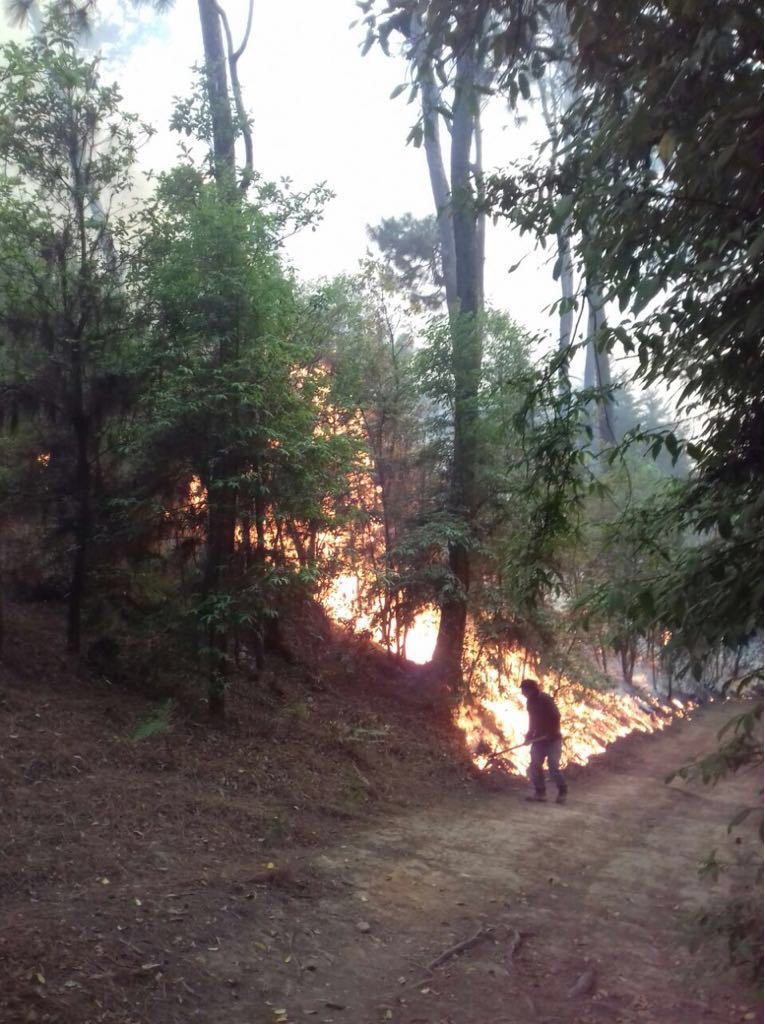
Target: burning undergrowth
494 719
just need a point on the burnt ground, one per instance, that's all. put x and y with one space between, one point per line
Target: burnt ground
309 862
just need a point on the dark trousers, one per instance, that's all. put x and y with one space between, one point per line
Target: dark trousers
549 750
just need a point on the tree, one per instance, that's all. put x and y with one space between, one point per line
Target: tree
459 221
366 335
66 333
659 171
410 248
558 91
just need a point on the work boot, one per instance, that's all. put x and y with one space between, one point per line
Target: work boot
536 798
561 797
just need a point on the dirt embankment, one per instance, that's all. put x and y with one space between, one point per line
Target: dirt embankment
313 859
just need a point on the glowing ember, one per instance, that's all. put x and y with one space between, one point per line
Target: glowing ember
341 602
197 494
43 459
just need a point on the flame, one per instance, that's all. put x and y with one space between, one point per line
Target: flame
590 719
420 640
497 718
197 494
343 602
43 459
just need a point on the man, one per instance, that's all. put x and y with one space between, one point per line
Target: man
545 739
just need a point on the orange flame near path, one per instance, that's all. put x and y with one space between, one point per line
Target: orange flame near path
342 603
590 719
497 718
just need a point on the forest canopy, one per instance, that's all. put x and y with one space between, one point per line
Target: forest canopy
196 440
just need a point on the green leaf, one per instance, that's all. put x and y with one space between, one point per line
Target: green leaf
415 136
672 447
562 210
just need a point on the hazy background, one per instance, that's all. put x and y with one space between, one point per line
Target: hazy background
322 113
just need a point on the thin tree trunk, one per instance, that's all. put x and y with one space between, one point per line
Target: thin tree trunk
81 424
465 319
566 317
245 522
222 496
597 371
440 188
480 228
216 80
77 583
555 96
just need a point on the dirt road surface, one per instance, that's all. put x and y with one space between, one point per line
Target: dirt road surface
586 908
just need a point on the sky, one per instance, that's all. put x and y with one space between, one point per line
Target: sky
321 113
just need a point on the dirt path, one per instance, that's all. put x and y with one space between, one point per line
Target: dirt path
608 882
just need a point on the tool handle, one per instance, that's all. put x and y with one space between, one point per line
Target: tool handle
526 743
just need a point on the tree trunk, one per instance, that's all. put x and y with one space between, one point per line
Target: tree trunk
216 80
555 96
597 372
222 497
628 654
465 319
82 497
439 184
566 317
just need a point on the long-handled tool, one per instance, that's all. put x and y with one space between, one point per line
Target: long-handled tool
526 743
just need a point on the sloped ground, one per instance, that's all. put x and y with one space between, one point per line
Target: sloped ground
600 894
309 863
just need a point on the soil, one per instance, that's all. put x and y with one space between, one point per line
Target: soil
310 861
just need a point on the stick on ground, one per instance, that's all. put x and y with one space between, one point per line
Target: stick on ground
512 947
460 947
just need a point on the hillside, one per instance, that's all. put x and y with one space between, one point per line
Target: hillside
282 862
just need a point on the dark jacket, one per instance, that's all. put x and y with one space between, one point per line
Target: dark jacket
544 717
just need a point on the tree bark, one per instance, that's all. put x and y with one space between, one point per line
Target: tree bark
597 371
555 93
222 496
439 183
566 318
78 318
216 80
465 319
83 525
